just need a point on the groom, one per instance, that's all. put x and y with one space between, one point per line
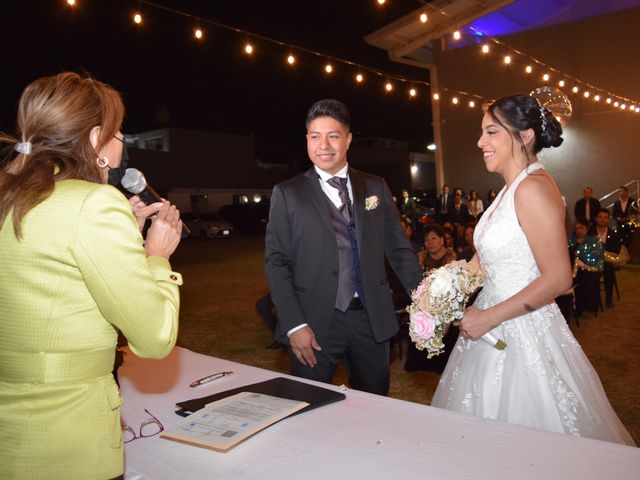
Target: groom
328 234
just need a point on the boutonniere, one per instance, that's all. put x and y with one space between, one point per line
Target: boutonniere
371 203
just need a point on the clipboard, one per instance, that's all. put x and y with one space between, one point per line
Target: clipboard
277 387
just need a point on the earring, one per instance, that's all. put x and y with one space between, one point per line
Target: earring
102 162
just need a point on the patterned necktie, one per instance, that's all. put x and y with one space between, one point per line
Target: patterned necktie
346 209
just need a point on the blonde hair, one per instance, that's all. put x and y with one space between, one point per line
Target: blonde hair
56 115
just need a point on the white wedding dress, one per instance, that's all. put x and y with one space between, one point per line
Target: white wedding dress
543 378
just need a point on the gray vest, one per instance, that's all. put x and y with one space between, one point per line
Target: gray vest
349 262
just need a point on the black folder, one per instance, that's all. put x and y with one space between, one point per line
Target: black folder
277 387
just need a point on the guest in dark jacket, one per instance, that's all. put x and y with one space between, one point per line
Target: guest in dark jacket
611 243
587 207
622 215
587 254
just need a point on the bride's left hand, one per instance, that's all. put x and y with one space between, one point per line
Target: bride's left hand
474 323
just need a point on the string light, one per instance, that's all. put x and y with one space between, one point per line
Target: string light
388 86
575 89
615 104
412 92
586 94
472 104
249 50
623 106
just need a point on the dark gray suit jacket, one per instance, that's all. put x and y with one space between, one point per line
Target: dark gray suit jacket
301 254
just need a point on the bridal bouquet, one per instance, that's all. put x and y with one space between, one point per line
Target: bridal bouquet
439 300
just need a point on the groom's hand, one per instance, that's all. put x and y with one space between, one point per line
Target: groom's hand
303 343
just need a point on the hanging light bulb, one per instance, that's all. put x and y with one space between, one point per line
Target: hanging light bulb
359 78
412 92
609 100
388 86
457 35
423 17
328 68
545 77
528 69
248 48
454 100
291 59
71 3
507 59
586 94
561 83
137 18
575 89
198 33
381 2
623 106
597 98
472 104
615 104
485 48
436 96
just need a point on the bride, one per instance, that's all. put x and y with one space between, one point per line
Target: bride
542 379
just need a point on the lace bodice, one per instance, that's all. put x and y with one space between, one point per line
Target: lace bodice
503 248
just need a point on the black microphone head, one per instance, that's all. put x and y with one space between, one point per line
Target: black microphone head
133 181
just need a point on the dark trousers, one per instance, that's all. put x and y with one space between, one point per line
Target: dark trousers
587 291
609 279
350 337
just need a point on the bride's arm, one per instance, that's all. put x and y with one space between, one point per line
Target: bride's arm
541 215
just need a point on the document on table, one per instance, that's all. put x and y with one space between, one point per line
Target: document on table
223 424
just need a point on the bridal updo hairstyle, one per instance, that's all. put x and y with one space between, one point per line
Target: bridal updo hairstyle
521 112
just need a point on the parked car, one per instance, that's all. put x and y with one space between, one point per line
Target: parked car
207 225
247 218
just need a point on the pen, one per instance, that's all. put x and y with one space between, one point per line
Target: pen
209 378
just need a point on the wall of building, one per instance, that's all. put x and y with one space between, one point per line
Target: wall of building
601 143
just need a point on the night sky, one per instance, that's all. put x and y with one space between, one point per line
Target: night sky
212 85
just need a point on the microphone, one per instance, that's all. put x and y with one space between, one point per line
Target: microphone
134 182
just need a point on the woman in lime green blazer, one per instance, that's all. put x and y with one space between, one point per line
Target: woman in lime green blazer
74 269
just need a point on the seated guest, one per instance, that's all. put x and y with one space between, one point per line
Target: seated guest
475 205
450 240
436 253
622 216
611 244
587 207
467 250
588 259
75 270
491 196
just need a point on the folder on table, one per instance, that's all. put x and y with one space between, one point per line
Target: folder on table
277 387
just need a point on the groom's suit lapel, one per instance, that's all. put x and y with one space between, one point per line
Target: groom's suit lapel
318 197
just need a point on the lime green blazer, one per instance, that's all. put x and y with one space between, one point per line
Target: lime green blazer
79 273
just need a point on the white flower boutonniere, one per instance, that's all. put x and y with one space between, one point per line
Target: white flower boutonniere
371 203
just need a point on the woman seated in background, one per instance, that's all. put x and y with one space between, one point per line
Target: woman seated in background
587 254
475 205
467 250
75 270
436 252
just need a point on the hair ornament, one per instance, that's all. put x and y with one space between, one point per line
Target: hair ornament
543 118
23 147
